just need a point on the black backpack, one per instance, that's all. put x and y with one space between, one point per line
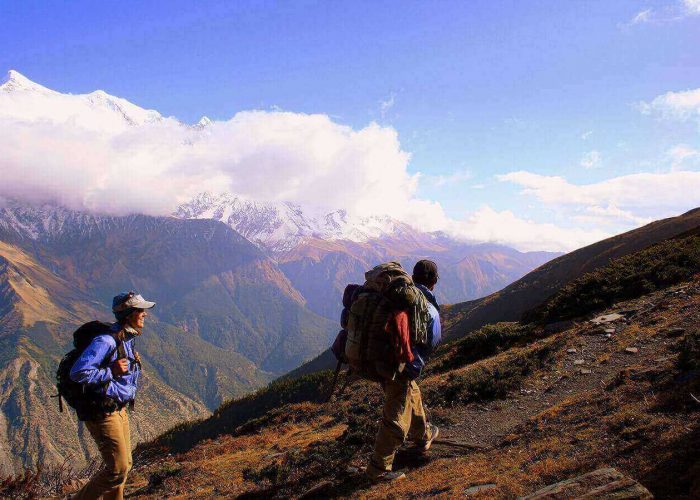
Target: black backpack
88 402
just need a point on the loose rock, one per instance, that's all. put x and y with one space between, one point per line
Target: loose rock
632 350
675 332
607 318
602 483
478 487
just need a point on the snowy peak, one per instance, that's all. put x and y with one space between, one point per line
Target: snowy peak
15 81
26 101
281 226
203 122
132 114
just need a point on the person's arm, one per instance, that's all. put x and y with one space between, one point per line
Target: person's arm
88 367
436 332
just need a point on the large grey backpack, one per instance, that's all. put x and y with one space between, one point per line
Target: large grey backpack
369 350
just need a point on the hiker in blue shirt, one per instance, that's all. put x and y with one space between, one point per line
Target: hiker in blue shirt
111 366
117 377
422 353
403 414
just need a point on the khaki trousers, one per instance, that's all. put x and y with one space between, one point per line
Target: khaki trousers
403 416
111 434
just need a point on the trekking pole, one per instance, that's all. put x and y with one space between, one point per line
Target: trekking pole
349 378
335 381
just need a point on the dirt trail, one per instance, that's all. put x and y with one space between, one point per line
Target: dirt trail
597 359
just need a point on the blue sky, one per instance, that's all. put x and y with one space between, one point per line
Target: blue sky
474 89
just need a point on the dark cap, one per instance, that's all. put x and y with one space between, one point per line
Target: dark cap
425 272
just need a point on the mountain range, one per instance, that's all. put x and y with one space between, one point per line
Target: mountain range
322 252
229 317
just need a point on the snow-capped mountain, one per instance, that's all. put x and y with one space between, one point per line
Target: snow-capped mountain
24 100
281 226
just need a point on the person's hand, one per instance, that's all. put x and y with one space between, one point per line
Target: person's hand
120 367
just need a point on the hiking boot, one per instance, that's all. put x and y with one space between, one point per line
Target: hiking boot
387 477
434 433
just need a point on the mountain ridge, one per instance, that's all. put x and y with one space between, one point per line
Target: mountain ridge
514 300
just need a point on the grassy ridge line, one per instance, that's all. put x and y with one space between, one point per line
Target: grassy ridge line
536 287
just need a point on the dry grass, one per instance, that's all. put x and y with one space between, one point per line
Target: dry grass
229 464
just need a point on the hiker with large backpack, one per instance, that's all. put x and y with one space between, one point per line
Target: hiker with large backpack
392 324
101 383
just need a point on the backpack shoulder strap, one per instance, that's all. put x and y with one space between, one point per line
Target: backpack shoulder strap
119 348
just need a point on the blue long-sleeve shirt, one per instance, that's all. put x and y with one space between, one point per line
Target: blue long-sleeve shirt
421 353
92 367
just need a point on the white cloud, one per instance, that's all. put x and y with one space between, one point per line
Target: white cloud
111 156
591 160
456 177
609 215
643 16
586 135
99 153
681 105
638 195
679 11
487 224
387 104
683 156
692 7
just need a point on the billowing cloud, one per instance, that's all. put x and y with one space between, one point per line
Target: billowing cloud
487 224
645 193
100 153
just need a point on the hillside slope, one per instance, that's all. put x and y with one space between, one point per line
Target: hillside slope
227 319
511 302
520 406
36 311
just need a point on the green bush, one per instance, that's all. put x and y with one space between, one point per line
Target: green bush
485 342
495 379
689 352
629 277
